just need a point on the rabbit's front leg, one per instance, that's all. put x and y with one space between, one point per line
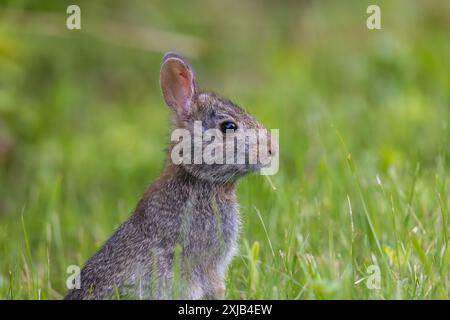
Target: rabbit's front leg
216 289
216 293
195 291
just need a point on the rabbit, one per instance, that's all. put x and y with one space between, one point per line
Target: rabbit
184 231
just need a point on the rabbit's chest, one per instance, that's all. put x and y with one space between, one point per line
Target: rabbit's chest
212 231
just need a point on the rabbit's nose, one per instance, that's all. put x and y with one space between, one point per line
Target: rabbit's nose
269 149
272 147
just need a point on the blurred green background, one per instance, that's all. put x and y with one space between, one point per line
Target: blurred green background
364 138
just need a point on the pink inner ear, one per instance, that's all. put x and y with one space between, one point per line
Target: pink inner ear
177 85
184 89
184 75
185 84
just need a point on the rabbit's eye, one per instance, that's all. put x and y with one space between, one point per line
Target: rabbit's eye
228 125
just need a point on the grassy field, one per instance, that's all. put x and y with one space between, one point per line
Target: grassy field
364 138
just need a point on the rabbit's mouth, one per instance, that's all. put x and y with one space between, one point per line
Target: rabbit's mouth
259 166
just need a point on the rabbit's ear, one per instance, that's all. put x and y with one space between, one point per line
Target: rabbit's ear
177 82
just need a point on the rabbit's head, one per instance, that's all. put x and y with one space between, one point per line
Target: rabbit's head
223 127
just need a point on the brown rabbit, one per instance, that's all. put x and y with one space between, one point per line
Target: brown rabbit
183 233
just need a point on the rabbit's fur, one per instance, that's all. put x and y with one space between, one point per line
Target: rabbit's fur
183 233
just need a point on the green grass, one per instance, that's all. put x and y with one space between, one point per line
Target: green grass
364 139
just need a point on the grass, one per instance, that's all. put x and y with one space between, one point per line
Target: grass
363 118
